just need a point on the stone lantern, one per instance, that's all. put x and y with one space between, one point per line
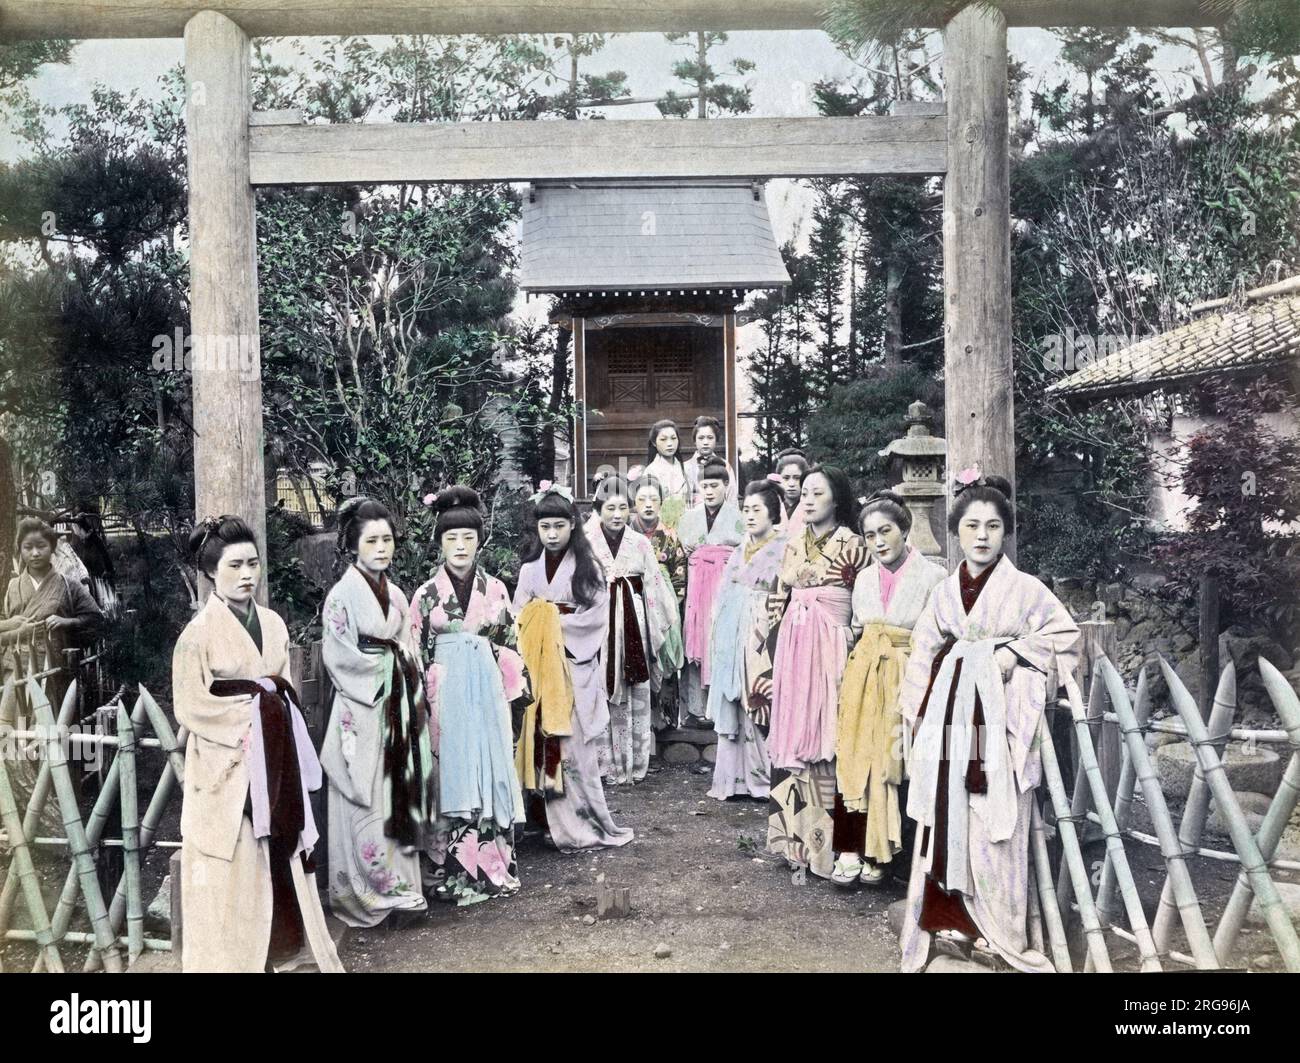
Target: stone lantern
919 458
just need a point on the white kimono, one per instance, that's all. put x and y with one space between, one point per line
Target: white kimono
226 879
987 853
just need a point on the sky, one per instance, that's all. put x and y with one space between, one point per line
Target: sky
787 65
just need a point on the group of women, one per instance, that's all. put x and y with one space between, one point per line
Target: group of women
833 661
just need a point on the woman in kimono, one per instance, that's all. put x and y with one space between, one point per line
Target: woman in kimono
45 612
376 752
707 434
744 638
462 628
791 468
667 547
562 587
664 464
813 601
710 533
973 697
643 620
888 598
248 886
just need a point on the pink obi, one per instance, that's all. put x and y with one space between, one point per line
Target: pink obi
704 577
811 652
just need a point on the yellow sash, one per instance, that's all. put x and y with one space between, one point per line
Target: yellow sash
869 746
541 645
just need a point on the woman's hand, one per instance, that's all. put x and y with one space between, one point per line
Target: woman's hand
54 623
1006 661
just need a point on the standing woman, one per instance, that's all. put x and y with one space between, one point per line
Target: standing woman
563 608
710 533
744 639
463 629
707 434
248 886
376 751
813 600
643 620
647 502
664 464
790 468
973 695
888 599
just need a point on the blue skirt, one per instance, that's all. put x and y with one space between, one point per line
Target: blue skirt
731 621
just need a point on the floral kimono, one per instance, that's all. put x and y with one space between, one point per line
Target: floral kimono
668 549
642 624
970 870
466 640
813 594
576 814
869 745
708 545
692 469
376 752
248 887
740 690
676 486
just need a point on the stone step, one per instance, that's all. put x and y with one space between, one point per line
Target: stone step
686 734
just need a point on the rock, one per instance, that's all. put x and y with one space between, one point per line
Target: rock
711 754
1244 650
1123 625
896 912
1217 824
588 920
1290 894
1110 595
160 908
949 965
1253 802
1184 641
1146 582
662 951
1258 770
681 753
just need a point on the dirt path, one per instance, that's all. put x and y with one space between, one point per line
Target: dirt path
714 901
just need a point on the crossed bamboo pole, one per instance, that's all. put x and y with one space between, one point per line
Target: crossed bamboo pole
1253 864
1279 810
1123 798
1051 914
130 834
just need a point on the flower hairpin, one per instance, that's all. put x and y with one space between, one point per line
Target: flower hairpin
545 487
774 477
635 473
968 478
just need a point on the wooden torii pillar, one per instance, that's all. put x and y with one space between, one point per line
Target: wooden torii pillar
229 470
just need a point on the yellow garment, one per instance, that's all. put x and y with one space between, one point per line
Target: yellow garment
869 748
541 645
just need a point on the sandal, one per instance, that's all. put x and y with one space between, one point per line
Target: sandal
846 872
953 943
873 874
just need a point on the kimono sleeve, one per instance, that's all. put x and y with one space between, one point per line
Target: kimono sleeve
926 642
222 720
503 635
82 606
1051 634
354 673
586 628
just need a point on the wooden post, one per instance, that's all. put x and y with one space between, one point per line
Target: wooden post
579 443
1208 631
729 419
978 409
229 476
1099 639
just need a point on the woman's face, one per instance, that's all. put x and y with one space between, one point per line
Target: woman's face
613 513
884 537
791 475
237 573
705 440
375 546
555 533
981 533
459 548
817 500
35 551
714 492
758 521
648 504
666 442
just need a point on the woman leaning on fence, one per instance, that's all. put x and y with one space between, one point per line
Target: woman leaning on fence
376 751
973 696
248 886
44 611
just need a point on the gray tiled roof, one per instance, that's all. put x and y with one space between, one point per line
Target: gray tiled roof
607 236
1255 336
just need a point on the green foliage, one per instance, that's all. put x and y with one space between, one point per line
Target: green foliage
708 89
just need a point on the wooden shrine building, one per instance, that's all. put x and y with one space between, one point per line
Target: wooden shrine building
647 278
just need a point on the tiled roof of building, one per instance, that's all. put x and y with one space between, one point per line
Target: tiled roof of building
1256 336
665 236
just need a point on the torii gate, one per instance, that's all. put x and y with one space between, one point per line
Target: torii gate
233 150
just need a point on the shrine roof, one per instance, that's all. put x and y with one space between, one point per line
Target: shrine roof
635 237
